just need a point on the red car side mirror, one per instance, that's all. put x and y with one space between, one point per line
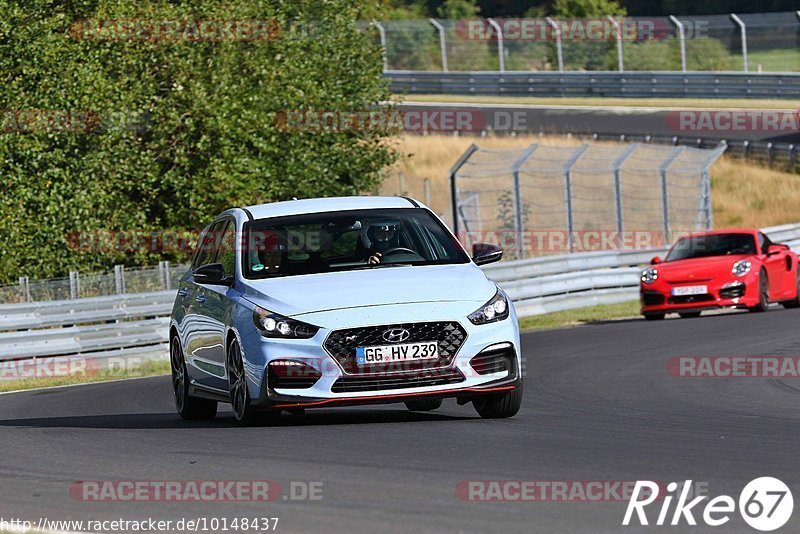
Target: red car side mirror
655 260
776 248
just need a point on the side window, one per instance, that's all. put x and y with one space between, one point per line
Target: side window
227 249
209 245
763 242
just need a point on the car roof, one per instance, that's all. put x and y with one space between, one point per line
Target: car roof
750 231
321 205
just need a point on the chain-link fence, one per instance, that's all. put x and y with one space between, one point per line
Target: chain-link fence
119 281
765 42
554 199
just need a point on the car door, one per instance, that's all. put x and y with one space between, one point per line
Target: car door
776 266
200 332
216 305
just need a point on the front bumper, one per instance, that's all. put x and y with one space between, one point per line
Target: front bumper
723 292
462 377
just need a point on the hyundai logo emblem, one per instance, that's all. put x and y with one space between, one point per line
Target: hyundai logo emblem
396 335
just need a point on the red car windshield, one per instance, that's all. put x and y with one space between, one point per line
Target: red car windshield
712 245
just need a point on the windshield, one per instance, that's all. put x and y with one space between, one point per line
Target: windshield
363 239
712 245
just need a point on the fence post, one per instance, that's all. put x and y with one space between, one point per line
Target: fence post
163 271
662 169
618 31
682 39
705 199
119 279
519 221
618 186
568 191
738 21
559 48
453 188
426 185
74 285
500 50
382 33
24 289
442 43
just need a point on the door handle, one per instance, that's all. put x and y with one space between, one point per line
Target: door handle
200 298
183 292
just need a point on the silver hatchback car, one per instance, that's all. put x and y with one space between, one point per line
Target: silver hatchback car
336 302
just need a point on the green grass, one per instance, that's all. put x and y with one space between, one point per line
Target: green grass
779 60
580 316
673 103
149 368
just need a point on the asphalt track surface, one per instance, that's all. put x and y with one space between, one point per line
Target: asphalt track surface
599 405
606 120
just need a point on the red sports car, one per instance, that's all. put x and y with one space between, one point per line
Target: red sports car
734 268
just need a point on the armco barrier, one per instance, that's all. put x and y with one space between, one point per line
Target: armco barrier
638 84
136 325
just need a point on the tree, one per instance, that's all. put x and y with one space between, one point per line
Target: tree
201 135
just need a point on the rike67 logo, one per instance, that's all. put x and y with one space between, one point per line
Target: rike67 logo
765 504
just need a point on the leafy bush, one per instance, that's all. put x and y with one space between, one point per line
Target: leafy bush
186 127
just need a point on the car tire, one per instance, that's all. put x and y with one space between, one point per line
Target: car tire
244 412
188 407
689 315
795 302
763 294
499 405
654 316
424 405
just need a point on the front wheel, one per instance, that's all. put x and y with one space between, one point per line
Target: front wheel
499 405
763 293
243 410
188 407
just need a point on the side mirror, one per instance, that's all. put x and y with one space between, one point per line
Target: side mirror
656 260
212 274
776 248
483 253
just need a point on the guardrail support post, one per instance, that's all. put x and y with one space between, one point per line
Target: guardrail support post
618 31
382 33
442 43
163 271
119 279
618 186
74 285
426 186
453 187
559 48
662 170
500 48
682 39
519 219
568 191
743 30
24 289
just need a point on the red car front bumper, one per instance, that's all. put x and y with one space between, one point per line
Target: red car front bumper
722 292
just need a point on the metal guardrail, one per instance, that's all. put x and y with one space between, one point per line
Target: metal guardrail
124 327
639 84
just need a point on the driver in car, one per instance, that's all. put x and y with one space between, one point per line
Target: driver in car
380 237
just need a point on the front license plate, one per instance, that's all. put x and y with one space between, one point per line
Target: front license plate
689 290
403 352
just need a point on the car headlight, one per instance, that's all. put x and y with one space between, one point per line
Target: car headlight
741 267
275 325
649 275
494 310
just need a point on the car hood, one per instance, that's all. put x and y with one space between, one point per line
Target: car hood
698 269
297 295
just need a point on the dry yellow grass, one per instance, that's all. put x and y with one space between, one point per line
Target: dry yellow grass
743 194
